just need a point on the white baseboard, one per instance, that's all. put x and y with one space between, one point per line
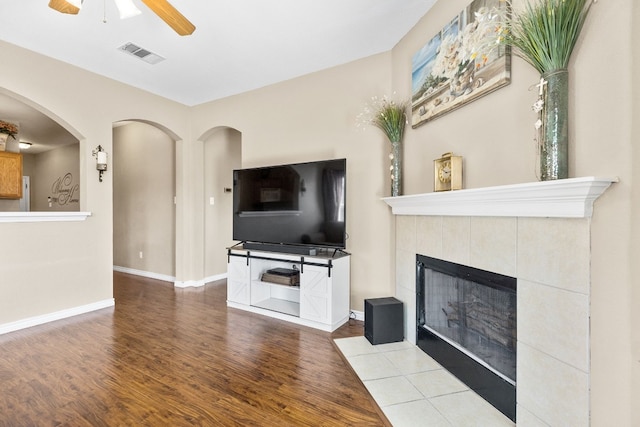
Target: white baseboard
150 275
165 278
58 315
201 282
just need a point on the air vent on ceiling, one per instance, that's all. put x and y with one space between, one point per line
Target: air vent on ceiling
141 53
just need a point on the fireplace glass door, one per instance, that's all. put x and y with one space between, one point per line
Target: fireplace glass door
474 311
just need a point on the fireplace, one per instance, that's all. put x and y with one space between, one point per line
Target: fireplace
467 321
540 234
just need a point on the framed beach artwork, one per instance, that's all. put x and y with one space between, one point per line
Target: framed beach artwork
461 63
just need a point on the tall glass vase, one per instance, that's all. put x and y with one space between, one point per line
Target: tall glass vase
554 130
396 168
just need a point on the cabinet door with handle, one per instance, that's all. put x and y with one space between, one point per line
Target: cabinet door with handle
315 294
10 175
238 280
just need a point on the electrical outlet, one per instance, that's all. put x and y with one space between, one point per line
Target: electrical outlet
140 254
211 201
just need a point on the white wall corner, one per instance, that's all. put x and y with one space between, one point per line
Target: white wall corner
199 283
148 274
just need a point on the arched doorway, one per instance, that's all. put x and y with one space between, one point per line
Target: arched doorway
144 189
222 154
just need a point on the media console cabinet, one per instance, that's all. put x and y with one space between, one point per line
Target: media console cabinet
320 301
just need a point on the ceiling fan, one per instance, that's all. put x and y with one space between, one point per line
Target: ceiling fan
162 8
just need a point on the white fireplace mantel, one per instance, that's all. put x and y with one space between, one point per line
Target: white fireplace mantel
563 198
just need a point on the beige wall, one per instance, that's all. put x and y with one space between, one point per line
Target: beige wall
313 117
56 174
494 134
633 247
222 154
143 199
50 267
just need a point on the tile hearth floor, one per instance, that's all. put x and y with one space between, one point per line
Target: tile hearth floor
413 390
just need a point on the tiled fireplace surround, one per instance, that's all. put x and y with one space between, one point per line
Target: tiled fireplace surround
538 233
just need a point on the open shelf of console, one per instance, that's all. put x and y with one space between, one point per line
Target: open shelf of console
320 301
290 308
273 296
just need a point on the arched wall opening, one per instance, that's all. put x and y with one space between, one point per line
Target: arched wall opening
49 151
222 154
59 262
144 191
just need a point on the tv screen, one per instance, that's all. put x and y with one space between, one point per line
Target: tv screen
295 204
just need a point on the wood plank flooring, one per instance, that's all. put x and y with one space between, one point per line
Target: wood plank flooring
178 357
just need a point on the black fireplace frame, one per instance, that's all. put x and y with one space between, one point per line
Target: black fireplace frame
493 388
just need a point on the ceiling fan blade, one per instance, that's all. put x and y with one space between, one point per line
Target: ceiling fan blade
171 16
64 7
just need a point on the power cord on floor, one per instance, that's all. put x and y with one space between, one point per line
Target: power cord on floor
353 319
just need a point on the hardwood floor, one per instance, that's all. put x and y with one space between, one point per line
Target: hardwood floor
178 357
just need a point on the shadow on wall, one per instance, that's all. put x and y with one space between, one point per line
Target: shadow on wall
222 154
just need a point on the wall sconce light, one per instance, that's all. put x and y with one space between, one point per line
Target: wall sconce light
101 161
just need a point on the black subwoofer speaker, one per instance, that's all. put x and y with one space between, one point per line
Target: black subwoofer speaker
383 320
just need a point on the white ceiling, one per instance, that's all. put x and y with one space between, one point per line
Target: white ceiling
238 45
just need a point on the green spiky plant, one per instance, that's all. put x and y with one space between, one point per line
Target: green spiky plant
545 33
391 117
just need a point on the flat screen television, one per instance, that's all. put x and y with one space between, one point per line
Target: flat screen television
284 207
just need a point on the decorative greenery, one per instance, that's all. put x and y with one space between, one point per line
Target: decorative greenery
387 115
544 34
8 128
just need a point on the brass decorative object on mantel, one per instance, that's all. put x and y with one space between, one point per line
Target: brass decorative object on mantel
447 173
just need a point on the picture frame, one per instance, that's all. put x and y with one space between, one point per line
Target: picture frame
461 63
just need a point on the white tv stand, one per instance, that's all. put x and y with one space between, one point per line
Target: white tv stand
321 301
